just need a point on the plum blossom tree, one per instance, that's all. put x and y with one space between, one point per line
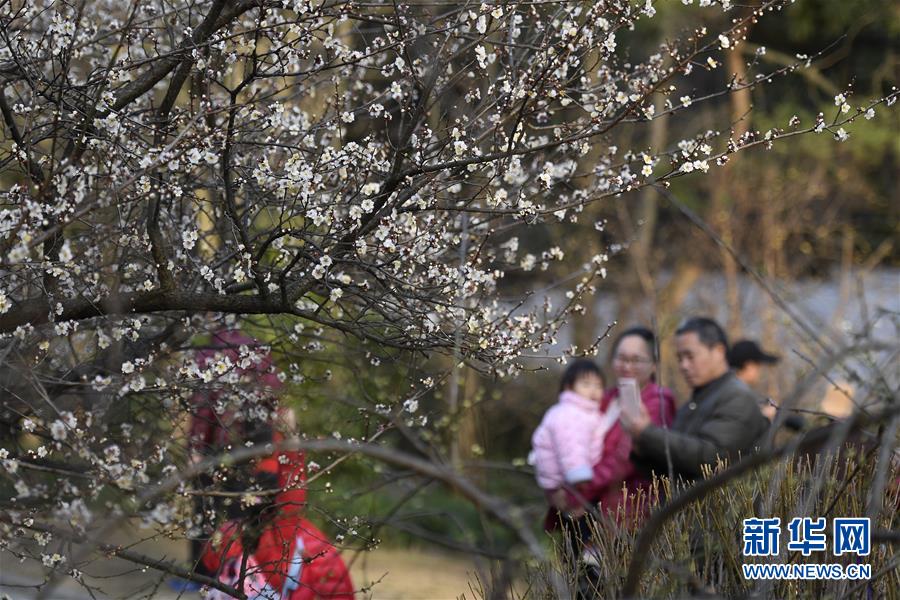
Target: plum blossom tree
349 173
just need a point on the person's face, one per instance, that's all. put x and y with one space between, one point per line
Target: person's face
750 373
698 363
633 359
589 386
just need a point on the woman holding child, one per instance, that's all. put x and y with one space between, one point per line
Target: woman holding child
580 451
617 485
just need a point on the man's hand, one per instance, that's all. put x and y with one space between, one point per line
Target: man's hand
636 425
769 409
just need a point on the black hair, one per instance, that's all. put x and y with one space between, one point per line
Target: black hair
708 331
255 518
576 371
645 334
642 332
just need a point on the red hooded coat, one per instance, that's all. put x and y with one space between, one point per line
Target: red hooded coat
616 479
293 560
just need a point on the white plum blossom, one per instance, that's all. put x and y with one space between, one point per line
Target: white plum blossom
162 513
322 266
528 262
52 560
58 430
481 56
189 239
610 43
112 453
65 253
137 384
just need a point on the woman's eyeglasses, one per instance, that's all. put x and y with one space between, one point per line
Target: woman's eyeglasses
631 360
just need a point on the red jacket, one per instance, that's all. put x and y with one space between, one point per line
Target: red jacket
293 560
615 476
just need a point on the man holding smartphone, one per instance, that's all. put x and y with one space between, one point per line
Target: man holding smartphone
721 420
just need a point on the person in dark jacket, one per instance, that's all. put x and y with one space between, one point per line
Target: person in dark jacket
722 419
748 359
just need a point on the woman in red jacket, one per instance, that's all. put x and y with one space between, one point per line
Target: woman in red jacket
287 557
216 423
618 486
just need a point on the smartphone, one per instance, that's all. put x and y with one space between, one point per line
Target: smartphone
629 398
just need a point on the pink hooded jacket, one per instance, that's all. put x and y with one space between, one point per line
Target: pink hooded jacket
569 441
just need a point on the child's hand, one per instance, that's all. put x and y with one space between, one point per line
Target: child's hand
558 499
576 512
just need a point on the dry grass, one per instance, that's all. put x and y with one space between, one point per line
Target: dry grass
675 567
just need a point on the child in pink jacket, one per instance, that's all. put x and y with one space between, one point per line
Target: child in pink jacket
569 442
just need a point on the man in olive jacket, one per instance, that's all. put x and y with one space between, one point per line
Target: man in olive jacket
722 419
